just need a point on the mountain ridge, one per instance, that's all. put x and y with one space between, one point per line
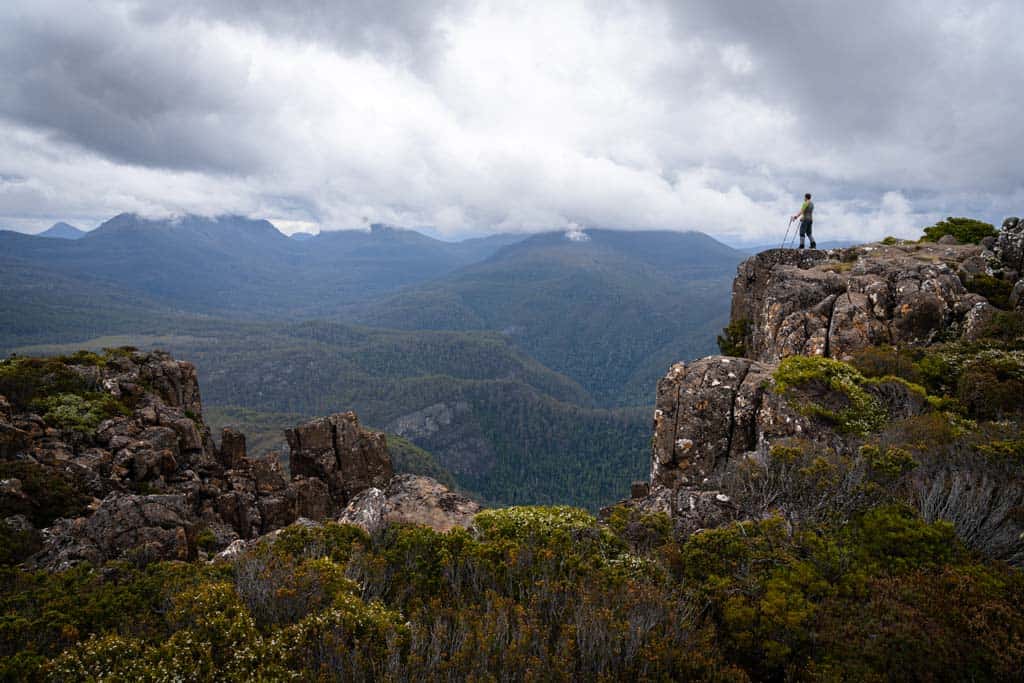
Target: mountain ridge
609 312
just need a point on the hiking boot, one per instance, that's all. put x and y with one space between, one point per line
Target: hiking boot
801 246
813 245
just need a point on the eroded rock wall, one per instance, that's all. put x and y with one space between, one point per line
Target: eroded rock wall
161 488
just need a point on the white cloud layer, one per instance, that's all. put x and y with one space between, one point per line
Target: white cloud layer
474 117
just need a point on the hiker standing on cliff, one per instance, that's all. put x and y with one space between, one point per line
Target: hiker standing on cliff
806 216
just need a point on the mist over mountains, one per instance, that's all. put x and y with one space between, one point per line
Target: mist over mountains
524 363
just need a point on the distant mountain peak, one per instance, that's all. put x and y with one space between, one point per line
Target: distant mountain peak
236 224
64 231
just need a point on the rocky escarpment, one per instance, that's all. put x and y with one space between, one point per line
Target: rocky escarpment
122 438
832 303
719 421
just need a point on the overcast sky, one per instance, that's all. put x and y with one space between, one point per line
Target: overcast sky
477 117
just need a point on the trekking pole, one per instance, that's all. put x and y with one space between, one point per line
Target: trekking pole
786 238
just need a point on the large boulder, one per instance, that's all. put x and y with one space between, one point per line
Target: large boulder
705 415
1017 295
410 499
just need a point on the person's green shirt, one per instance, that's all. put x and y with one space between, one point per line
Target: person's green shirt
807 210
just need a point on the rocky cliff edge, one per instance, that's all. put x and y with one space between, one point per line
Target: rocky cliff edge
734 435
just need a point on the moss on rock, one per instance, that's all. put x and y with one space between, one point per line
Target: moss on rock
850 407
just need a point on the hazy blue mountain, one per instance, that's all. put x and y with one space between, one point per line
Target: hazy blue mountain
479 248
610 311
241 267
302 236
63 231
43 305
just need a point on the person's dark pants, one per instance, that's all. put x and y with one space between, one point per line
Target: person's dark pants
805 229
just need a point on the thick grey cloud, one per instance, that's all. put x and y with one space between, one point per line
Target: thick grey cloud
406 31
921 92
90 76
475 116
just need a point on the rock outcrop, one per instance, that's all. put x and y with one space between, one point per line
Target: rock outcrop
716 415
161 488
1009 247
713 414
339 452
834 303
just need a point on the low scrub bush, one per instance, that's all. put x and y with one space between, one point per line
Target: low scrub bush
965 230
996 290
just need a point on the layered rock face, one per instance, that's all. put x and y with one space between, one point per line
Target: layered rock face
339 452
160 488
833 303
448 428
